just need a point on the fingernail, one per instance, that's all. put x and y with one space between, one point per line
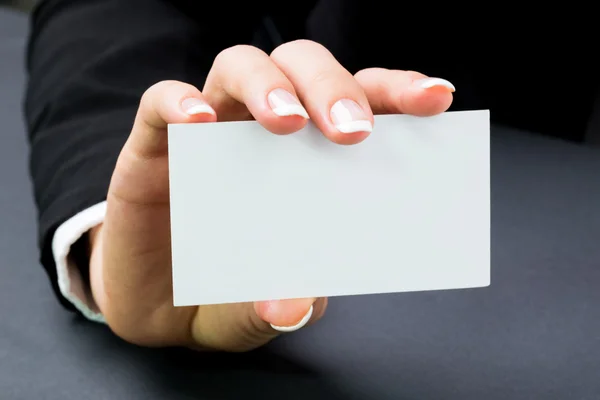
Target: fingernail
349 117
427 83
194 106
299 325
285 104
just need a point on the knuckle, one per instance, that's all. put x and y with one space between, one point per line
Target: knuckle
413 74
225 55
159 87
250 334
124 319
232 67
368 73
225 72
140 330
235 53
123 329
157 90
296 47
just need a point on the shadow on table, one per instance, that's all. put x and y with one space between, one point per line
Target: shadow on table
185 374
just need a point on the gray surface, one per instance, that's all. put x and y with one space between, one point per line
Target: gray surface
534 334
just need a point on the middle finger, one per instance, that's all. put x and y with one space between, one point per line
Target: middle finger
334 100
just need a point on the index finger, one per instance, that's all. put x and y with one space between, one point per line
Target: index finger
164 103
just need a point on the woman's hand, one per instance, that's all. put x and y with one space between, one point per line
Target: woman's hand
130 265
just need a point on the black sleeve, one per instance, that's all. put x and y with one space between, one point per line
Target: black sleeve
89 61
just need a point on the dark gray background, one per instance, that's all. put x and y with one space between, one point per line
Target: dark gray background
534 334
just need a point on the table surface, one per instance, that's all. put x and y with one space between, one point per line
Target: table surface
533 334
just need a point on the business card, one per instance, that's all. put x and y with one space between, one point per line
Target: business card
257 216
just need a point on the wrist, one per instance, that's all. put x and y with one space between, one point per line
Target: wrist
95 258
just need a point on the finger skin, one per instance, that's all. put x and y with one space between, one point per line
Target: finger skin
130 261
130 264
159 106
401 92
246 326
239 85
321 81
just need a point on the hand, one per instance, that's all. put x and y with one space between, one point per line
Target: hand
130 265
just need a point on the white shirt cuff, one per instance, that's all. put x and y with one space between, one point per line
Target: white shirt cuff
70 282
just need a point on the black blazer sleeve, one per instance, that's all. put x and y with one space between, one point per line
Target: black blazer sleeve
88 62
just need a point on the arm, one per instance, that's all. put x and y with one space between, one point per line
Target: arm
89 63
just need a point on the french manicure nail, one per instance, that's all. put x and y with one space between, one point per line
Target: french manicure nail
427 83
299 325
349 117
194 106
285 104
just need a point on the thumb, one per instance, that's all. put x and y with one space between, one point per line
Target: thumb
246 326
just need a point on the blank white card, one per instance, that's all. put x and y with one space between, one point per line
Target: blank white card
257 216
